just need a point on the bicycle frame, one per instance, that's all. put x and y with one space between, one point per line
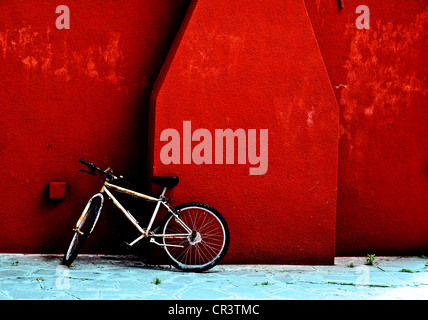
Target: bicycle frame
146 232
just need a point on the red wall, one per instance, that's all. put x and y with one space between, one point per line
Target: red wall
345 109
242 65
66 94
379 77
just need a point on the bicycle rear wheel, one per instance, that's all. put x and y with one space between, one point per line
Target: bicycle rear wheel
84 227
206 246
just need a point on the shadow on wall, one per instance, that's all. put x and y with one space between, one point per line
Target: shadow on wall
74 93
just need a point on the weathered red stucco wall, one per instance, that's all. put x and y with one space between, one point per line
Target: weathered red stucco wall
66 94
256 65
345 110
380 81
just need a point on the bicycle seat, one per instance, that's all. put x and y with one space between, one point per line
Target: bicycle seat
167 182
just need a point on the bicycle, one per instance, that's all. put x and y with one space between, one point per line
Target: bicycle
195 236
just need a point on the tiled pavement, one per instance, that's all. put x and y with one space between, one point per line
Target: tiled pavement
95 277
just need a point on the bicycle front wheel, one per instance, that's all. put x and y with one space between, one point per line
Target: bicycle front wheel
207 244
84 227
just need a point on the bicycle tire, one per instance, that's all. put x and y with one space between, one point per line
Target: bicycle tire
209 244
82 232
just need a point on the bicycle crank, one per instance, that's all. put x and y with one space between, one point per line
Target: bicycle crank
152 240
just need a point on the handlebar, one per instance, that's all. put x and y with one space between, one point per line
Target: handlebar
91 166
94 170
